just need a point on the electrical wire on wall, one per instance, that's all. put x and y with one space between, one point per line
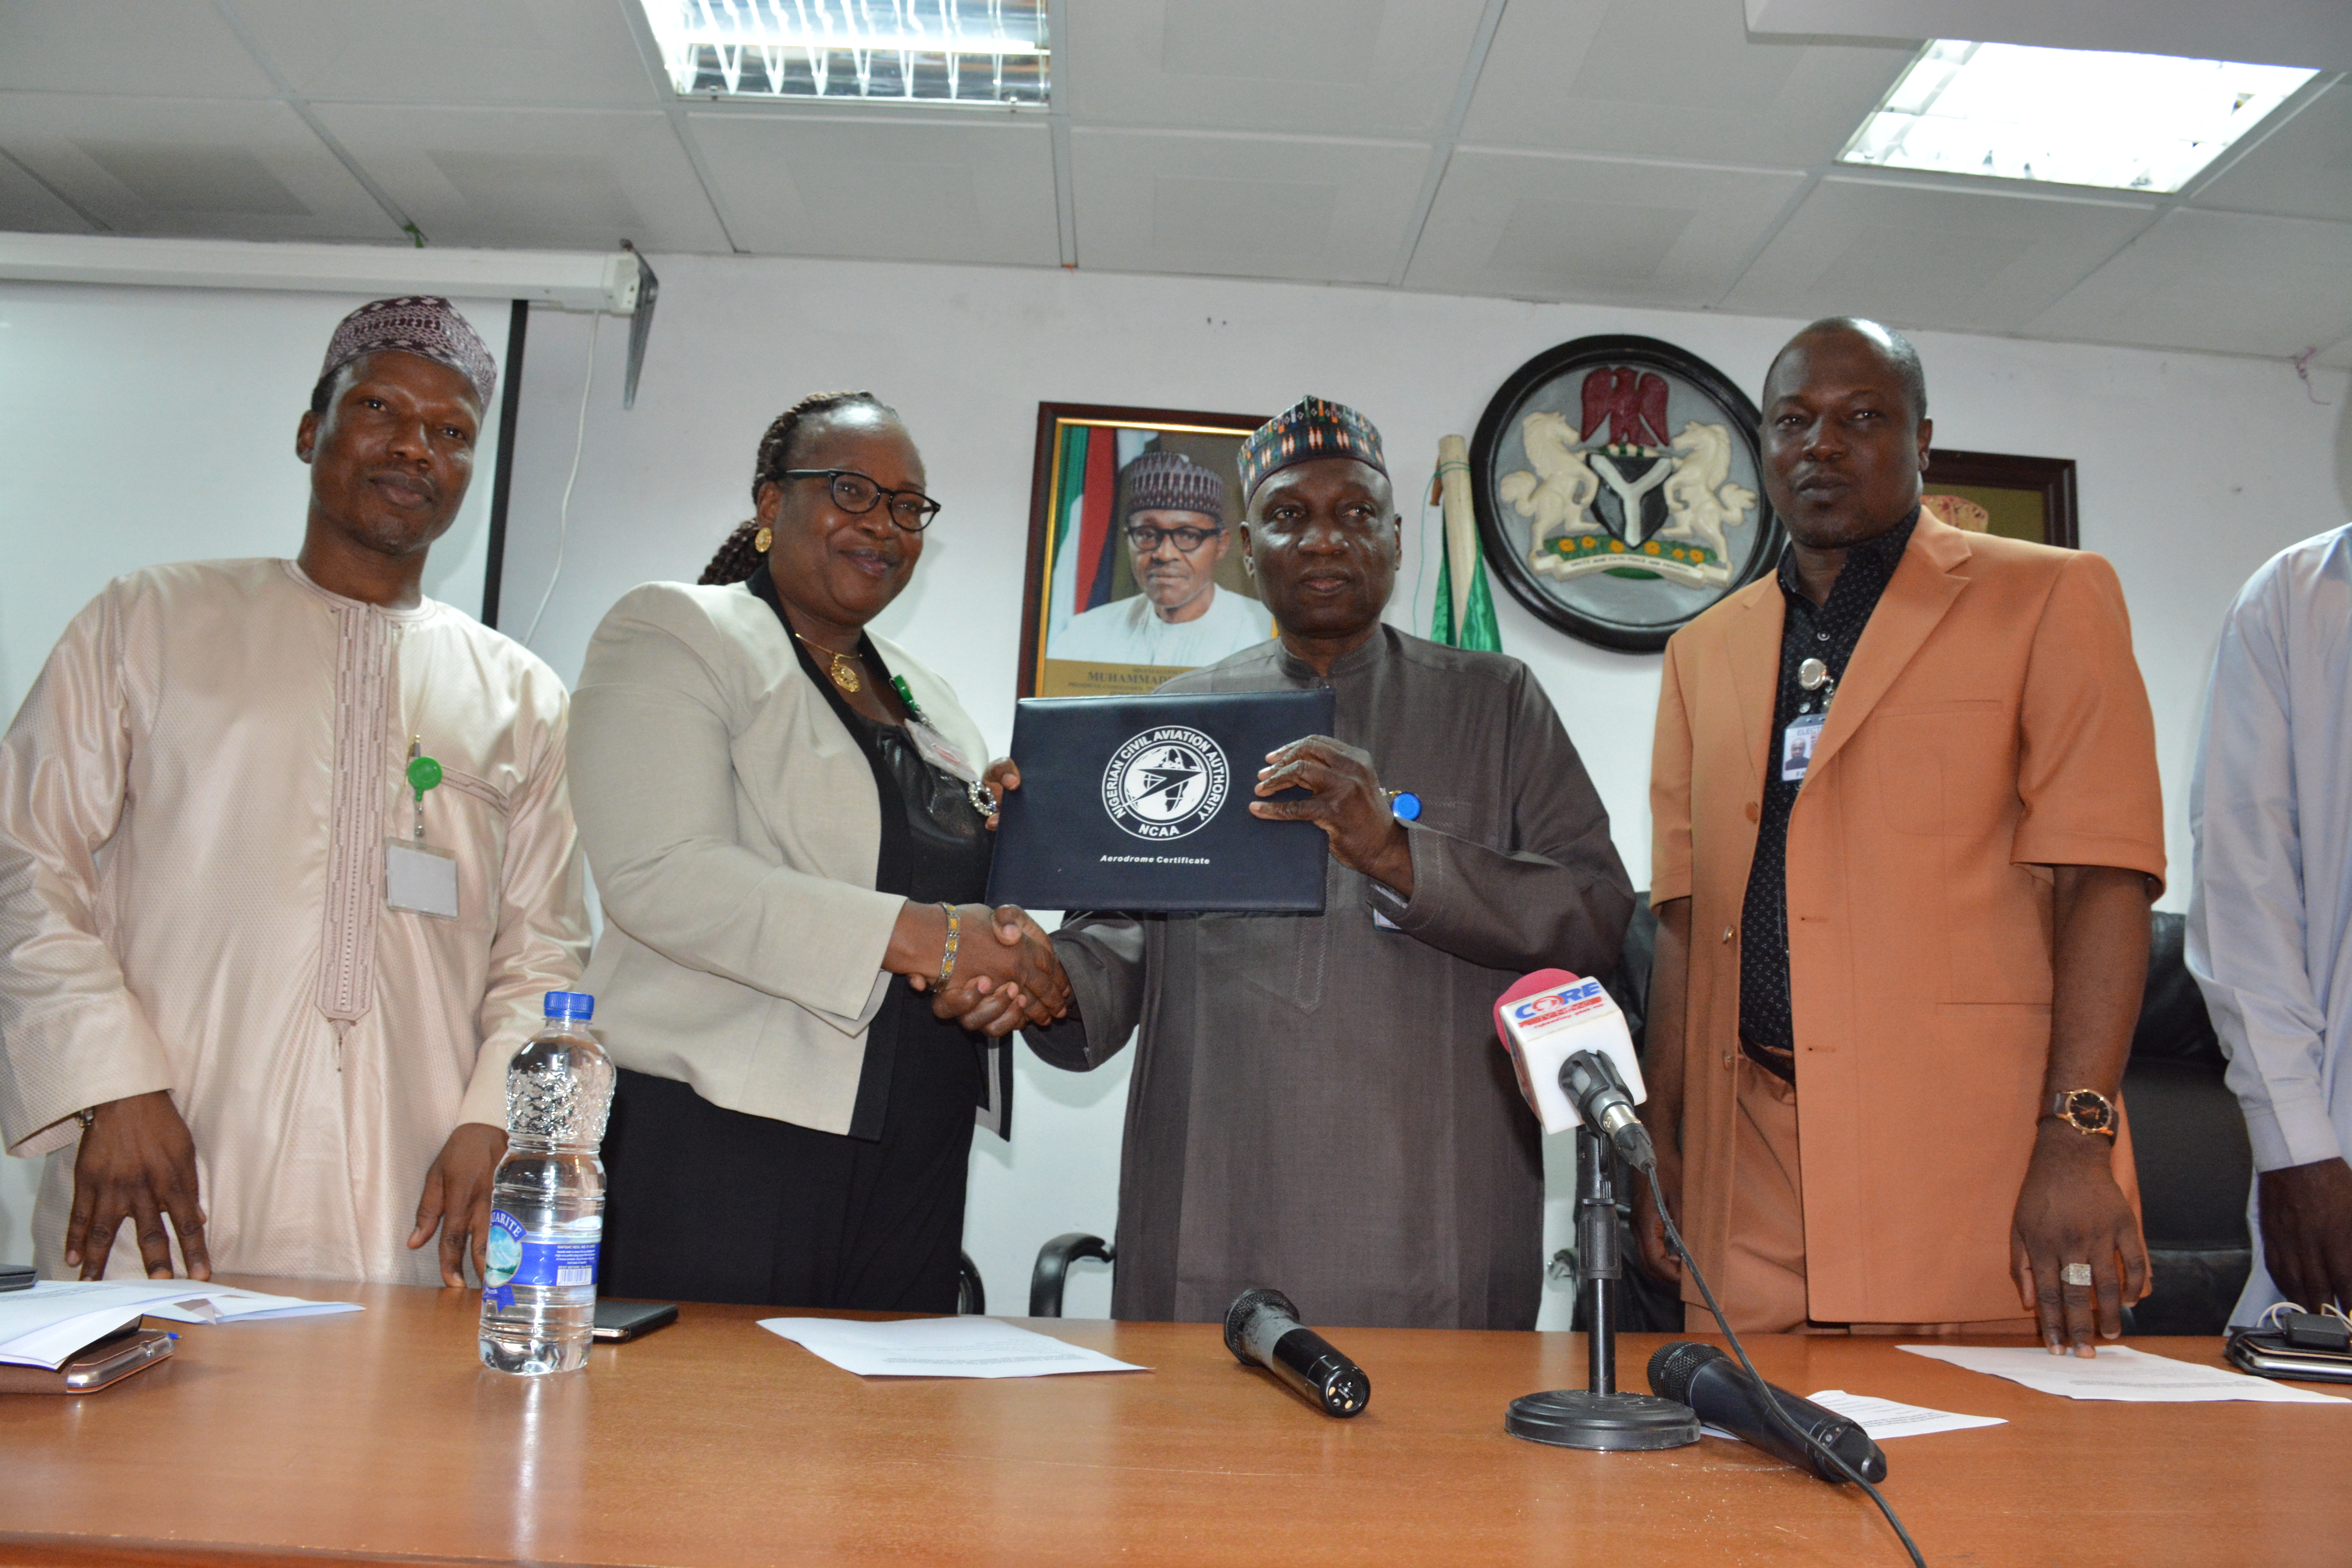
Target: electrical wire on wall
563 512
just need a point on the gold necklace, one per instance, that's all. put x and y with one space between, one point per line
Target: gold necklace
842 670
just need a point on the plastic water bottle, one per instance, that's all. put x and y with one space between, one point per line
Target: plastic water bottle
539 1294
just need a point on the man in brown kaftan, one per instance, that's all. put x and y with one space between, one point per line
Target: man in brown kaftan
1319 1102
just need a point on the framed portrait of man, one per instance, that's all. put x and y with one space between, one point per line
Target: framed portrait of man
1135 569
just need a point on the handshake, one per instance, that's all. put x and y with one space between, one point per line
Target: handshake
1005 972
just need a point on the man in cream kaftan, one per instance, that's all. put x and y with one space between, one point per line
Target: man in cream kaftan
194 803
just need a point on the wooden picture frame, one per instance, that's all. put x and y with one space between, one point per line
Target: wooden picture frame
1069 507
2021 498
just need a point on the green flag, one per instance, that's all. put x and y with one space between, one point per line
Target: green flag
1477 629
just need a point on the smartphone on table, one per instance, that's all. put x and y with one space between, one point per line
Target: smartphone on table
95 1366
617 1322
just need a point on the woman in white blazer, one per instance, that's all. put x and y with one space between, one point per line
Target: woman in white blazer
784 816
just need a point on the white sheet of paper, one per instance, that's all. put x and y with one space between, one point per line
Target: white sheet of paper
227 1304
2118 1372
48 1324
939 1347
1884 1418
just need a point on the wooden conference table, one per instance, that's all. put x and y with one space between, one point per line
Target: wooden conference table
375 1437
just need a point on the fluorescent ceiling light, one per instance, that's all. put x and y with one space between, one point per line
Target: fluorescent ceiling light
2073 117
572 281
901 51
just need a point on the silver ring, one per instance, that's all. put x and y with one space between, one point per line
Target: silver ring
2076 1274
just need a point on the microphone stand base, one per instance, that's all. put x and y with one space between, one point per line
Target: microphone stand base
1579 1418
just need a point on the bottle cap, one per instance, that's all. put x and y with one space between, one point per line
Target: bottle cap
575 1004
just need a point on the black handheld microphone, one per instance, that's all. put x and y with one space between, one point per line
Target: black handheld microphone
1262 1326
1710 1383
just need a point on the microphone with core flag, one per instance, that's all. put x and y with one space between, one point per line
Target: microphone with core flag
1574 1058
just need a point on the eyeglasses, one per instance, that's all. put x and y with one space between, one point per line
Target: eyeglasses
1147 539
853 492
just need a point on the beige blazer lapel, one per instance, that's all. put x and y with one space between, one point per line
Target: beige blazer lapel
1751 642
1926 582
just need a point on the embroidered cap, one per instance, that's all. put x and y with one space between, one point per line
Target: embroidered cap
1312 427
424 325
1171 481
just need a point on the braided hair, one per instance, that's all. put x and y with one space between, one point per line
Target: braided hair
737 560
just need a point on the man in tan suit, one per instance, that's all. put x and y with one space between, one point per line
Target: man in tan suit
1908 826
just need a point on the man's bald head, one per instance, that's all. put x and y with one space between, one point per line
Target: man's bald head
1890 345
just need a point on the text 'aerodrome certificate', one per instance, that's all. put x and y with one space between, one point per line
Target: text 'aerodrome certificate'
1140 804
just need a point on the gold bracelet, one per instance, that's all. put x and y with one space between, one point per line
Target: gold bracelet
948 958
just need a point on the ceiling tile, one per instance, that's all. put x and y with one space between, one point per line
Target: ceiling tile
169 46
1537 225
1334 67
2226 281
494 53
1931 256
27 206
222 168
961 188
1245 207
2304 169
577 179
1666 79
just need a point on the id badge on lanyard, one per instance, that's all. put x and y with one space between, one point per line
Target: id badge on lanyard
418 878
1804 730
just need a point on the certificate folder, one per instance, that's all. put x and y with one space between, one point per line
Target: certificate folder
1141 805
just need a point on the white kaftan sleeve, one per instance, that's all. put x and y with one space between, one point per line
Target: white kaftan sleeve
542 935
72 1034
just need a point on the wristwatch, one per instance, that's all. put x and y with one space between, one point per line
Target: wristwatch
2087 1110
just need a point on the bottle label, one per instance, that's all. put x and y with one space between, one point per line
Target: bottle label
560 1259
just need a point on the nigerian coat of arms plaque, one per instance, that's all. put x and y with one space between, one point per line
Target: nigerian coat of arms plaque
1619 488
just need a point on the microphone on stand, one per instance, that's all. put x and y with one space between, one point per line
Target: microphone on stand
1711 1383
1262 1326
1575 1062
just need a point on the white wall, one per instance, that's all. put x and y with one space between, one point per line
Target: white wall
140 425
2193 469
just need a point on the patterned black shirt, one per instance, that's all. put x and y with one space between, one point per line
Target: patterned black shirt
1827 632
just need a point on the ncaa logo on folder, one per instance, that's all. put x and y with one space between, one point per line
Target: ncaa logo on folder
1165 782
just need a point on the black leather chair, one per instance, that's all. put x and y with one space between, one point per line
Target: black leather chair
2189 1140
2188 1136
1053 1260
971 1296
